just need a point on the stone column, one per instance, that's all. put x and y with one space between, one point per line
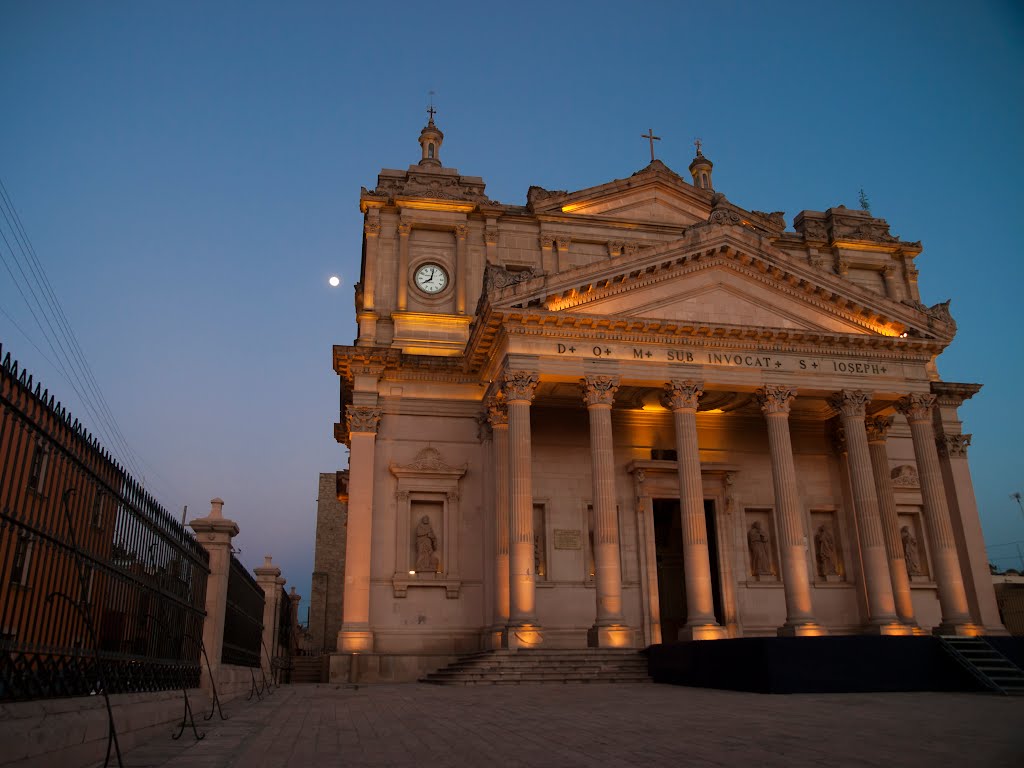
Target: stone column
214 533
267 576
404 228
609 630
523 630
497 416
956 618
355 635
775 402
461 233
852 406
877 429
681 397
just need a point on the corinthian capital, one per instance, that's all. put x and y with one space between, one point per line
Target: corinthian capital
404 228
461 231
878 428
775 398
372 227
953 446
916 407
599 390
497 411
362 418
519 385
850 402
682 394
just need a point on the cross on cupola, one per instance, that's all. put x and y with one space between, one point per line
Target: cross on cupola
700 168
430 139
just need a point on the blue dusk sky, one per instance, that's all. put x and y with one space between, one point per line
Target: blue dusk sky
189 175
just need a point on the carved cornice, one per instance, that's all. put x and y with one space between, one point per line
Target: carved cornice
916 407
599 390
953 446
519 386
775 398
950 393
682 395
850 402
362 419
878 428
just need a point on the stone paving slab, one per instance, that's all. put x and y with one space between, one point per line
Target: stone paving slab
305 726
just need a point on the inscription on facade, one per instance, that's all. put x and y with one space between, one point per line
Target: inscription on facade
757 360
567 539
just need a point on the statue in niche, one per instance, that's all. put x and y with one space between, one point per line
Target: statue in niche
426 546
757 541
825 544
910 551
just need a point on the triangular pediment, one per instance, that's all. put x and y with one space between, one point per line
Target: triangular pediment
720 295
654 195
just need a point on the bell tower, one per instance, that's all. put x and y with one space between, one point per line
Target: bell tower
700 169
430 141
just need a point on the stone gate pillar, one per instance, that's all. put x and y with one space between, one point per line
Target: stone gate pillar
267 576
214 533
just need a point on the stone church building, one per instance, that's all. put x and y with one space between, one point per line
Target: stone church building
638 413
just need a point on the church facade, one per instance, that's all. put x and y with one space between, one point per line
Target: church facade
638 413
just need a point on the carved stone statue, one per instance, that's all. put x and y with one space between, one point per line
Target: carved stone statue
426 546
760 560
910 551
825 544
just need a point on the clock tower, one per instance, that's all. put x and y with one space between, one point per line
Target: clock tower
427 234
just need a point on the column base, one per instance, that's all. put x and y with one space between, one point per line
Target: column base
888 628
355 641
960 628
804 629
492 638
516 636
610 636
710 631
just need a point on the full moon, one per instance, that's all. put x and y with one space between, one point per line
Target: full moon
335 281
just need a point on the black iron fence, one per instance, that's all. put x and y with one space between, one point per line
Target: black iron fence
101 590
243 622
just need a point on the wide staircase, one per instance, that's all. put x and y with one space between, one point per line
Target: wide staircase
989 666
503 667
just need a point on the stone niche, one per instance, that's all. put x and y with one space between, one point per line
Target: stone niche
913 539
827 547
427 524
760 545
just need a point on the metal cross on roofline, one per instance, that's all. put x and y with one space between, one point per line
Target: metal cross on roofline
651 138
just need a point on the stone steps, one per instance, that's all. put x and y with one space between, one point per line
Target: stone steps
544 666
307 669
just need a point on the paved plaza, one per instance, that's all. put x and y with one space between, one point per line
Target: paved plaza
302 726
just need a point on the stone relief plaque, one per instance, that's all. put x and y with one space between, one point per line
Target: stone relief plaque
567 539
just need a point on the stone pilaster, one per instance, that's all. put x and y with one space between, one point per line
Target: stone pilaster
682 397
877 430
852 407
548 257
214 532
609 629
267 576
523 631
461 265
355 634
775 402
497 417
952 596
404 230
562 259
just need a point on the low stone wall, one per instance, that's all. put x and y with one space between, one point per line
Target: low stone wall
359 668
73 732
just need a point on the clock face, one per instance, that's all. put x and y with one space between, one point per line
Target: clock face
431 278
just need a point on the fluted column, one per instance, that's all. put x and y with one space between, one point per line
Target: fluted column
461 233
877 429
497 416
952 596
371 229
523 631
404 229
681 397
608 629
775 402
355 634
852 406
